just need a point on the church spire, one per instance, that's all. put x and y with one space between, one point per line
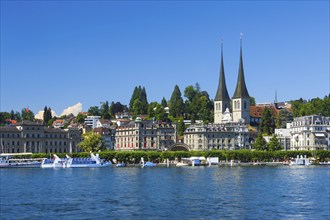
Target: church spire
241 90
222 93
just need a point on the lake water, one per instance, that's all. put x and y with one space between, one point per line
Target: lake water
166 193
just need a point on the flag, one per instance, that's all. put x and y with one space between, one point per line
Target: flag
27 109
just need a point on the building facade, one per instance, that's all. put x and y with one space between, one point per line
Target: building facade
145 135
33 137
310 133
284 136
91 121
231 117
225 136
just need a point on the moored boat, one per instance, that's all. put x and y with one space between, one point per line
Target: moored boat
7 160
181 164
53 163
121 165
93 161
300 161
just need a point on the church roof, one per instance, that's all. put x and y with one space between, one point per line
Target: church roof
241 90
222 93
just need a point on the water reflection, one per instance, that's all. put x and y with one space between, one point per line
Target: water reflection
166 193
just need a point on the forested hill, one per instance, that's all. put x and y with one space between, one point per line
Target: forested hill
316 106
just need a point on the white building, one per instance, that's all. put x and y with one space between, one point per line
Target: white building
285 136
91 121
310 133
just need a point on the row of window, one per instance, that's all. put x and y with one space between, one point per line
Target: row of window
33 150
13 135
33 143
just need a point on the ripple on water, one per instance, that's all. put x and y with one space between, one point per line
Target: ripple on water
160 193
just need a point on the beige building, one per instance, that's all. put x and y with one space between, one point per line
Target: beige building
145 135
33 137
229 136
310 133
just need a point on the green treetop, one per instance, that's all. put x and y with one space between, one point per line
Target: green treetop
267 124
92 142
274 144
260 142
176 104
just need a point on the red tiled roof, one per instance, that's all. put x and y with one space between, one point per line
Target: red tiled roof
256 111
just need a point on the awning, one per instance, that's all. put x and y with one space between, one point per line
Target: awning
319 135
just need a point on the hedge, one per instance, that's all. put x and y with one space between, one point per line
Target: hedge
242 155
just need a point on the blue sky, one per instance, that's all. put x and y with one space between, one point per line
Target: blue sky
56 53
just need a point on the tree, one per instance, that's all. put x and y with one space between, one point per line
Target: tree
94 110
190 93
12 115
47 115
164 102
135 96
159 112
80 118
105 110
92 142
17 116
314 106
176 104
51 121
205 106
139 94
137 107
278 121
260 142
285 117
117 107
198 104
252 101
267 124
27 114
274 144
180 126
3 117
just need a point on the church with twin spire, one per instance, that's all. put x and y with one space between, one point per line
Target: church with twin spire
231 117
239 105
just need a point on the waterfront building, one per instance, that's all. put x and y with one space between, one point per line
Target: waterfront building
284 136
231 117
145 135
34 137
310 133
225 136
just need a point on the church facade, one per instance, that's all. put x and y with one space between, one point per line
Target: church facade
231 117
